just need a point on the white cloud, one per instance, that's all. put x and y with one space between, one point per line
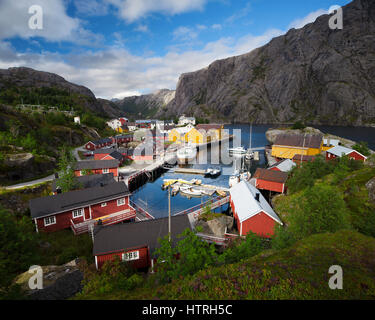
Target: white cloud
91 7
132 10
311 17
185 34
57 25
216 26
142 28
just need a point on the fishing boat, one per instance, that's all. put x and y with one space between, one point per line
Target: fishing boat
237 151
190 192
249 155
196 182
212 172
186 154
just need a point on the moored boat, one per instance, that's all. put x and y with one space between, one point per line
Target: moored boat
186 154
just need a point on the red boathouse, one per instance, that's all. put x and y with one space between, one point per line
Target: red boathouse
82 209
252 213
339 151
96 167
271 180
135 242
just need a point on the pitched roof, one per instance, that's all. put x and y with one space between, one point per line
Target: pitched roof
340 150
95 164
271 175
116 155
89 181
209 126
243 196
104 150
102 141
132 235
298 157
285 165
45 206
299 140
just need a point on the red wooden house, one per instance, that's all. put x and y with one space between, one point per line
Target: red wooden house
101 153
96 167
252 213
271 180
82 209
126 138
339 151
102 143
135 242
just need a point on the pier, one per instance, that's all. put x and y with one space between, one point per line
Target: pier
190 171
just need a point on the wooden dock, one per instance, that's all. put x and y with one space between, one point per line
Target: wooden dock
189 170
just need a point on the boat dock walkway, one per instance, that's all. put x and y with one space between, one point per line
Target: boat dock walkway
197 210
190 170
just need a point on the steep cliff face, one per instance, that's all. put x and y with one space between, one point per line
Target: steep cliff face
44 86
146 105
314 74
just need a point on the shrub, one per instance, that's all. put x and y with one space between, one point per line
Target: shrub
362 147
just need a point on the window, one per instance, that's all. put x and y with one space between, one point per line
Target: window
120 202
49 220
106 170
78 213
104 204
130 256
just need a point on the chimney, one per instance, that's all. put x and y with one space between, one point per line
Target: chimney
257 195
58 190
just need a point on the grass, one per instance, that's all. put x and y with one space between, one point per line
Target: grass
299 272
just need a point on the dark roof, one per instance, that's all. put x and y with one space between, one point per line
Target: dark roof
299 140
133 235
95 164
297 157
271 175
123 136
103 141
89 181
116 155
45 206
209 126
104 150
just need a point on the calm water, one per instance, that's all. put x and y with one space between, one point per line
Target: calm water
155 200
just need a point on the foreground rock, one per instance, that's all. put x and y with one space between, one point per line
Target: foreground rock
216 226
59 282
371 190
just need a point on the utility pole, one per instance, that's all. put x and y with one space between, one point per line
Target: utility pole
169 212
304 137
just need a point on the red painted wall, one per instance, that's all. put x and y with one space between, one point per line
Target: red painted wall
269 185
89 146
356 156
275 169
63 219
142 262
98 171
261 224
100 156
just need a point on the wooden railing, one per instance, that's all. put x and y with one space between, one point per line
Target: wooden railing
141 210
114 218
198 209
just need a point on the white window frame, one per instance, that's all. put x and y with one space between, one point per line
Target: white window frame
130 256
121 202
80 211
104 204
105 170
49 223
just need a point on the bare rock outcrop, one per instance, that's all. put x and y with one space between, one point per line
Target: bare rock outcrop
313 74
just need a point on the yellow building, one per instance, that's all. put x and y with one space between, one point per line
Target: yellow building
287 146
123 129
211 132
177 135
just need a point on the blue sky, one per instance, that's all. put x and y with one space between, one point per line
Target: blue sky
126 47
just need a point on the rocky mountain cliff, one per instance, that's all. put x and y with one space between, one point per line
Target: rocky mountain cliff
145 105
14 82
313 74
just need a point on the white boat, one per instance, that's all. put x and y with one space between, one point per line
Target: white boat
249 155
237 150
190 192
213 172
186 154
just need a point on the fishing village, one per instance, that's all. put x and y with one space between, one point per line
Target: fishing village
132 193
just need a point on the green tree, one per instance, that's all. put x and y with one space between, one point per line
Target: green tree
67 179
362 147
319 209
18 243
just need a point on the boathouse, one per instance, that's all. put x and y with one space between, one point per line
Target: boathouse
89 181
251 211
271 180
102 143
285 165
96 167
135 242
81 209
286 146
340 151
